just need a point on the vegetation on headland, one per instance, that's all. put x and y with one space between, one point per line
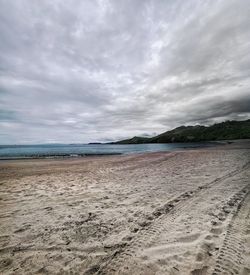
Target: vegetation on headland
228 130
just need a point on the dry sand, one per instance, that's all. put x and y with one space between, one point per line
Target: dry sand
185 212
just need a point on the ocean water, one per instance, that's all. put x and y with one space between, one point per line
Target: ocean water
81 150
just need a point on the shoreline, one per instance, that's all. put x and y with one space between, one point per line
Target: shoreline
62 157
186 146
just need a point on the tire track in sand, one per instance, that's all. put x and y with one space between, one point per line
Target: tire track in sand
231 257
159 221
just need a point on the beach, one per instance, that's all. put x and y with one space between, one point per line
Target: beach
182 212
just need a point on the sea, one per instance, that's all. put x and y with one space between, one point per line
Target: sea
85 150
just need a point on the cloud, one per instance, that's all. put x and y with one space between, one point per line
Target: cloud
81 71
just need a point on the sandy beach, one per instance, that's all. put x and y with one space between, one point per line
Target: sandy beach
182 212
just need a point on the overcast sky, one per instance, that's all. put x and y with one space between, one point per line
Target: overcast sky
81 71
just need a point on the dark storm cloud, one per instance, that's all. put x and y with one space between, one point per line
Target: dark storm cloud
78 71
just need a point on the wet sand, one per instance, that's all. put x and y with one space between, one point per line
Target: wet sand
183 212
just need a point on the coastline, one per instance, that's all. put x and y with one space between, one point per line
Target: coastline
160 212
61 156
99 152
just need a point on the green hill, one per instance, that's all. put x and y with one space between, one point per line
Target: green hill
221 131
134 140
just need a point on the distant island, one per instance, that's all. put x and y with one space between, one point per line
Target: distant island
228 130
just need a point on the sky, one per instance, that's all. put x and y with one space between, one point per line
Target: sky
81 71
